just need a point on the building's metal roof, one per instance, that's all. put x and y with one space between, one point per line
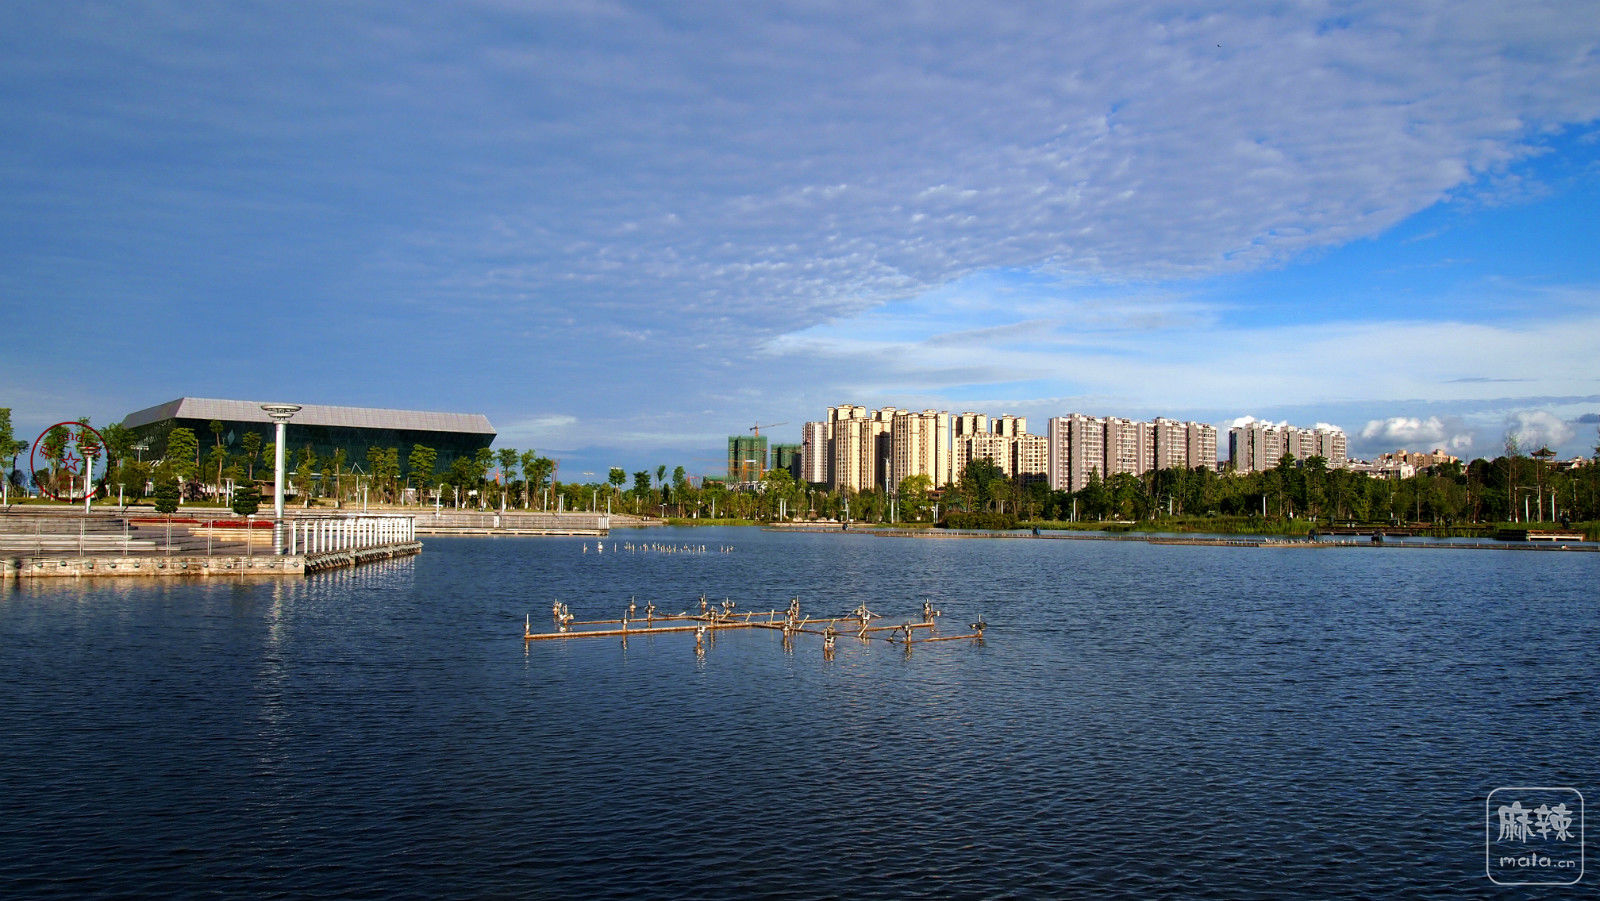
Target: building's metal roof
205 408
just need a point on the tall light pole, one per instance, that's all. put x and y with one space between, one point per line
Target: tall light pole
280 415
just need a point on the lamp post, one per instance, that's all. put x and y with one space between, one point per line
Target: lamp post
280 415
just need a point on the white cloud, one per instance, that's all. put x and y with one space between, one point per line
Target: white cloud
1205 361
1413 433
1539 428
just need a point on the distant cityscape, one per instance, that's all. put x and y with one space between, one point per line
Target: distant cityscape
859 449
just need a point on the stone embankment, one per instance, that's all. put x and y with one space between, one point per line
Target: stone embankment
46 542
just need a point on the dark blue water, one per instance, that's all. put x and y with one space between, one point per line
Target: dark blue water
1142 720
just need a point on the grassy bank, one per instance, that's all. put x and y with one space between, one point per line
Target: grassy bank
1222 525
1255 525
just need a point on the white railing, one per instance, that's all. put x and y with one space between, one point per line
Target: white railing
348 533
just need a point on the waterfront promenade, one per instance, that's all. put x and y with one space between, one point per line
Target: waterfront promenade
63 542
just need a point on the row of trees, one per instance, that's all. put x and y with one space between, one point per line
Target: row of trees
1512 487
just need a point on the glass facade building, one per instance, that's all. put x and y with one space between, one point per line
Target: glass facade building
326 429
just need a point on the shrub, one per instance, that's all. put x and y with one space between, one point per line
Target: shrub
167 494
246 500
960 520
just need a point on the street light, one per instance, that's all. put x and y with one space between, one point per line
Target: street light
280 415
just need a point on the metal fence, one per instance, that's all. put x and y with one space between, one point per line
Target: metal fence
327 534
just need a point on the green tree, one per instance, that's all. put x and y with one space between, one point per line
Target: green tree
216 459
340 458
251 442
383 465
978 483
10 447
617 477
508 459
1093 499
471 473
391 473
1513 452
661 474
529 463
305 468
55 455
641 489
374 470
421 463
778 485
132 475
462 473
183 451
119 453
219 452
913 491
537 473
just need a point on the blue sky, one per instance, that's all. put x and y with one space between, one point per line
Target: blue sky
624 231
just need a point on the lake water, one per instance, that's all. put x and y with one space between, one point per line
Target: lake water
1142 720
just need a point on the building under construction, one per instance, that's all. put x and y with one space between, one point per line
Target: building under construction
747 459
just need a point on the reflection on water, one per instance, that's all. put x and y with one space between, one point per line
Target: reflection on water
1172 720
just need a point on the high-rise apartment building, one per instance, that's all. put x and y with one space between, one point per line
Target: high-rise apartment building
1332 445
1258 446
997 449
1172 444
1129 446
815 452
1201 440
1080 445
1254 446
920 445
1032 460
860 447
862 450
964 426
1077 449
1009 426
969 423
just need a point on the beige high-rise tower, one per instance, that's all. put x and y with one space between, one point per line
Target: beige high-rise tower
921 446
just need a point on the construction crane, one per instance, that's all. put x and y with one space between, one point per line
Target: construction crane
757 427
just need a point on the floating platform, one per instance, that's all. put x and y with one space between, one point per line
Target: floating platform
858 624
1537 535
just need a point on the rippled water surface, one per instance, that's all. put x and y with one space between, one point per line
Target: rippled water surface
1142 720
